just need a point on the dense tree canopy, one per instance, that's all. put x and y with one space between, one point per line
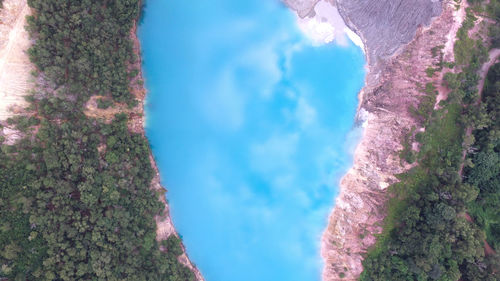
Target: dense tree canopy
75 197
428 233
85 44
484 171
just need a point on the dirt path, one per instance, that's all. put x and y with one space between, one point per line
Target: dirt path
488 250
448 54
15 66
494 54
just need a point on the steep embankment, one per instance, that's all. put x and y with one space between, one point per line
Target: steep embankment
399 50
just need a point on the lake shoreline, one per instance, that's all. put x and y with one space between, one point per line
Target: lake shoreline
158 83
164 223
390 88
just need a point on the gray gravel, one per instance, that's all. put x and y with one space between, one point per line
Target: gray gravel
386 25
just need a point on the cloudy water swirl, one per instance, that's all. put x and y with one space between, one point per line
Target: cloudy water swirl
251 123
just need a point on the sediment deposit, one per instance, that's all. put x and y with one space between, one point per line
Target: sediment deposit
398 44
383 25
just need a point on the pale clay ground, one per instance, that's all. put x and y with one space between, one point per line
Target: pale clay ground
15 66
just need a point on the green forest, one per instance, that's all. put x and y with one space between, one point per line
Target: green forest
443 218
75 197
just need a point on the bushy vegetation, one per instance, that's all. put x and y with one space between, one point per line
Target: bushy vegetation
78 196
426 104
75 197
484 168
492 11
427 234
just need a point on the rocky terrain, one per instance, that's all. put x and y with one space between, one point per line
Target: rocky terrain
398 38
302 7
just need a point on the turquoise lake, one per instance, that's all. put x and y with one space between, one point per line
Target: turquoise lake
252 127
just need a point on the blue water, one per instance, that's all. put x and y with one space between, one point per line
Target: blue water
250 125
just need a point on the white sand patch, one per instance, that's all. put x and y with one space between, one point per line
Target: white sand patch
318 32
326 25
11 135
354 38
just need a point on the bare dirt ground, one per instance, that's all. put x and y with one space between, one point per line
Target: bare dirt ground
15 66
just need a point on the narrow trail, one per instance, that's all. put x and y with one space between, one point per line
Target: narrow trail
493 54
448 54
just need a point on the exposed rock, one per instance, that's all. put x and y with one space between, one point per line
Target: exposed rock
302 7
